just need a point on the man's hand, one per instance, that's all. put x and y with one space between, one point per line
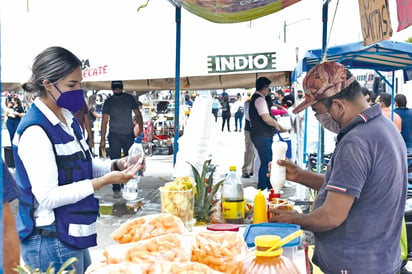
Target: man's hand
292 170
283 216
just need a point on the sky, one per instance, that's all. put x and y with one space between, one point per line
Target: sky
140 45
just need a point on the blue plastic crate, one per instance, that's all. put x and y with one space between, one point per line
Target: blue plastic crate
280 229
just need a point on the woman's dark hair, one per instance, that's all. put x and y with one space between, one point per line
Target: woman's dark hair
53 64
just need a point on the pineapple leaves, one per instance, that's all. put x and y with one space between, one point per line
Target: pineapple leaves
205 190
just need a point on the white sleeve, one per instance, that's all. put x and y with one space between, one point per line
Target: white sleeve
36 152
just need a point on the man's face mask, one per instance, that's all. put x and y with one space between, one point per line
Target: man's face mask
327 121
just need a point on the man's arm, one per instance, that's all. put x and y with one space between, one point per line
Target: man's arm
88 127
105 119
272 122
11 240
304 177
330 215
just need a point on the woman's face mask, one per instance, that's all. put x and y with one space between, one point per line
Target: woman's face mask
327 121
72 100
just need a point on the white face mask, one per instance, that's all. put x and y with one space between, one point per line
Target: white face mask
326 120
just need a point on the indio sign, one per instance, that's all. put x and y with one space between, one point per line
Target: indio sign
241 62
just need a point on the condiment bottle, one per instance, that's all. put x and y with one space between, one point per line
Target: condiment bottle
259 209
264 262
271 196
233 202
277 172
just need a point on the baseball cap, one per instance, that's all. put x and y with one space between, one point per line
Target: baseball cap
322 81
117 84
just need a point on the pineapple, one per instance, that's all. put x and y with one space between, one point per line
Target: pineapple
205 192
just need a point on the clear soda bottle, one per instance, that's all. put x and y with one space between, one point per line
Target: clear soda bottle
130 189
233 201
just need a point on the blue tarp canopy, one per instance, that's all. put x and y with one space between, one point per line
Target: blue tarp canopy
382 56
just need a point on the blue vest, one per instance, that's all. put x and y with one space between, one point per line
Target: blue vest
75 223
258 127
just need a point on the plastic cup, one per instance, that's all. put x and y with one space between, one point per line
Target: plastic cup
106 209
178 203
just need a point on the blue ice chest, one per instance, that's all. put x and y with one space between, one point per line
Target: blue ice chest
280 229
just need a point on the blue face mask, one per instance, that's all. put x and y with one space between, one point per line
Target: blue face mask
72 100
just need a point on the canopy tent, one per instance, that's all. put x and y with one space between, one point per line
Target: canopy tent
382 56
221 81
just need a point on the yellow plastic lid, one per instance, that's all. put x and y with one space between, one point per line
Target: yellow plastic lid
266 242
232 168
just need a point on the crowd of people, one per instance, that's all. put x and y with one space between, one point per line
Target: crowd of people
361 197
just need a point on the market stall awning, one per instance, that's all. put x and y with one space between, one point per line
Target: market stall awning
382 56
233 11
221 81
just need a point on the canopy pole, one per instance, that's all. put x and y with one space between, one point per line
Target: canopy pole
321 131
178 18
1 184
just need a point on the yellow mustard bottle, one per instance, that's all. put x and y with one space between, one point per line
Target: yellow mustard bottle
259 208
264 262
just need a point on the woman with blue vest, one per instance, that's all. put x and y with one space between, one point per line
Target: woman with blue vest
55 169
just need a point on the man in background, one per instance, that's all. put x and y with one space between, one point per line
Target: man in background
406 116
117 111
385 100
263 127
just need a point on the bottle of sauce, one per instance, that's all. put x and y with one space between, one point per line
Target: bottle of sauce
272 195
259 208
233 201
264 262
278 173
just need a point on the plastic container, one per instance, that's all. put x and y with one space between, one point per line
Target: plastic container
106 209
233 201
268 262
130 189
223 227
278 229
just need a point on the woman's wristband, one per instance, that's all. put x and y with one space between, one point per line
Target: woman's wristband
115 166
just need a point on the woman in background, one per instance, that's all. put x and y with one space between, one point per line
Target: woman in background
14 112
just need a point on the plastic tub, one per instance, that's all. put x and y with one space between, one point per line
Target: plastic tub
280 229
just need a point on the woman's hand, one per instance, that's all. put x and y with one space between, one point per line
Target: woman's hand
120 177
